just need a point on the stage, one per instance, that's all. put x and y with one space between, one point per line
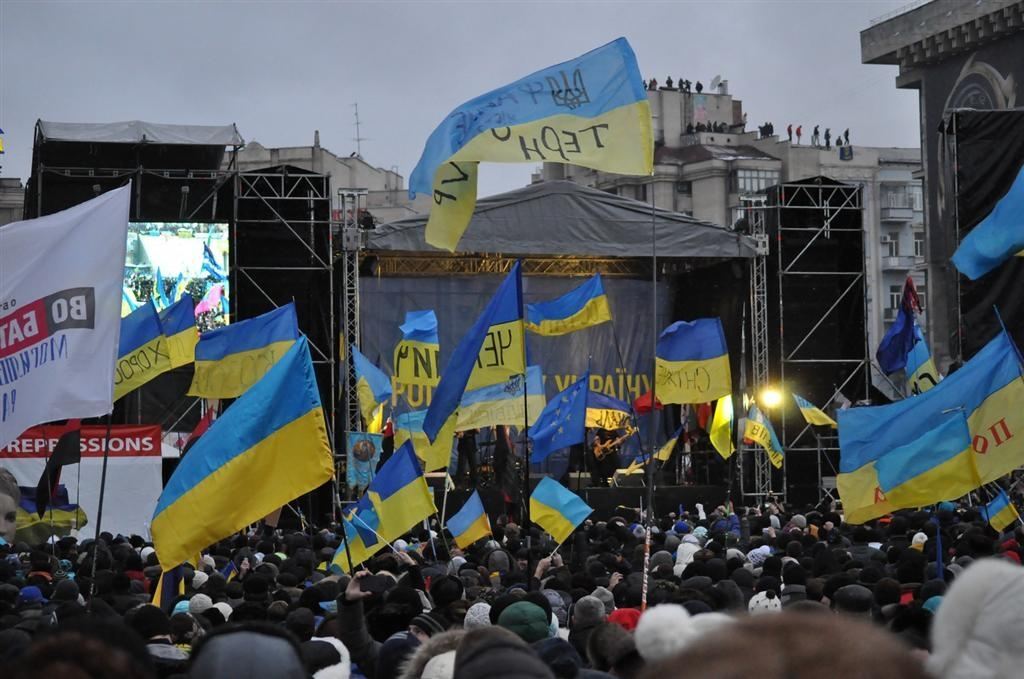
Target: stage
607 502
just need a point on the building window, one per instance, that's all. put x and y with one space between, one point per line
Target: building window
916 199
895 296
895 196
753 181
685 188
919 243
641 192
890 245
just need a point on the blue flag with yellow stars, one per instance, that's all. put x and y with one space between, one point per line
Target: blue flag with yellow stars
563 422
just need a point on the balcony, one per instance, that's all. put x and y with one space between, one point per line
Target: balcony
889 315
897 214
900 263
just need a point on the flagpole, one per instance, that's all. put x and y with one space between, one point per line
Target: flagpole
99 510
654 397
525 499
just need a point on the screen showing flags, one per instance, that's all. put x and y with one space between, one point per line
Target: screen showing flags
590 111
582 307
563 421
470 523
692 362
231 359
557 509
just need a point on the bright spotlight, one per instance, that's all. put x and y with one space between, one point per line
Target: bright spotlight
771 397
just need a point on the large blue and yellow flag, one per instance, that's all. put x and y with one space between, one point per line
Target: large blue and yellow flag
1000 512
492 351
987 390
470 523
436 454
606 412
270 446
759 429
178 324
417 354
921 372
400 494
582 307
557 509
231 359
142 350
692 362
361 525
812 413
503 403
373 387
590 111
563 422
169 586
997 237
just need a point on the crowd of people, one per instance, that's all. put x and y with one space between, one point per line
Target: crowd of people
767 592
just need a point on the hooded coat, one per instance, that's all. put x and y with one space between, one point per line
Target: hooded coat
429 649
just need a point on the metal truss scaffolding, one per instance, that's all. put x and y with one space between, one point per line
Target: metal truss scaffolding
822 340
351 201
281 248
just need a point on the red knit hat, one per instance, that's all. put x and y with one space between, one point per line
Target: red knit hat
626 618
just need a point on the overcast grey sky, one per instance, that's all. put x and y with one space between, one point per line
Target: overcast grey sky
282 69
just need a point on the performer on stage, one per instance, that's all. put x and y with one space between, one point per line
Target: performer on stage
468 463
604 456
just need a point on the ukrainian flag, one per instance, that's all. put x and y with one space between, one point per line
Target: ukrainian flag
178 324
920 369
557 509
417 353
721 427
400 494
360 526
503 403
159 296
492 351
169 586
142 352
759 429
436 454
270 446
997 237
231 359
665 452
987 390
470 523
812 413
128 302
373 387
1000 512
605 412
590 111
692 362
583 307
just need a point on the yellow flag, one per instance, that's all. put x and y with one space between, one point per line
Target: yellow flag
721 427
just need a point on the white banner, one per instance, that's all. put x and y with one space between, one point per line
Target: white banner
60 313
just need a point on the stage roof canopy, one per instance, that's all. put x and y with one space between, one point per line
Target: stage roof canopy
140 132
561 218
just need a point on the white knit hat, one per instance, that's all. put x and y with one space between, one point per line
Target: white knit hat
765 602
199 603
441 666
199 579
919 539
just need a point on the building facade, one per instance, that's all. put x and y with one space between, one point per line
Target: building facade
718 175
12 200
956 54
382 191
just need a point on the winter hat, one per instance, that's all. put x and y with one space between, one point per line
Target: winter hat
146 551
199 579
478 615
588 611
918 541
561 656
224 608
441 666
799 520
605 596
30 595
199 603
765 602
493 651
558 607
661 558
758 556
247 652
149 621
527 620
856 599
681 528
671 542
326 658
430 622
701 533
66 590
975 631
669 629
626 618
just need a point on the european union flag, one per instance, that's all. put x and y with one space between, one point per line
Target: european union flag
563 421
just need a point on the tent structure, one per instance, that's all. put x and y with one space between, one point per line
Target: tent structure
561 218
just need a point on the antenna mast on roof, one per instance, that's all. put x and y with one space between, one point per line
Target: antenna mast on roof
358 139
